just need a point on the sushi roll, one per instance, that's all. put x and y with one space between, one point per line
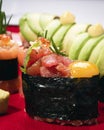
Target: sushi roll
9 78
58 90
4 99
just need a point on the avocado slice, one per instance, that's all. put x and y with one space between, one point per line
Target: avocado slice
71 34
96 52
78 43
88 47
60 33
45 19
33 22
51 28
100 62
25 30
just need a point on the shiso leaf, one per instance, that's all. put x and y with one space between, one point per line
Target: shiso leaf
34 45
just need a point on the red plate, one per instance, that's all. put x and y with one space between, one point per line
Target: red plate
17 119
13 28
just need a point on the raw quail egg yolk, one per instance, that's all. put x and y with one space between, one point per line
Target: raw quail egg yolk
83 69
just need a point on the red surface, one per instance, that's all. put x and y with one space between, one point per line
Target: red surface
13 28
17 119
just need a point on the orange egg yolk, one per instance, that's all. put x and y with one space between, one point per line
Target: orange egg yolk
83 69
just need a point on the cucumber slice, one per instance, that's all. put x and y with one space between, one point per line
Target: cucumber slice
100 62
45 19
78 43
96 52
52 28
88 47
33 22
60 33
71 34
25 30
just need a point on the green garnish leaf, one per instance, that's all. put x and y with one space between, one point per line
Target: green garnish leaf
34 45
56 49
3 22
45 36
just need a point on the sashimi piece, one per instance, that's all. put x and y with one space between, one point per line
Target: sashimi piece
34 69
63 70
64 60
49 60
37 54
48 72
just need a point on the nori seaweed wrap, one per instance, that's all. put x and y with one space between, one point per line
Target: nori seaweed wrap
101 91
64 99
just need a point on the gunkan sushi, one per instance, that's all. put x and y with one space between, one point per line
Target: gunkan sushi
58 90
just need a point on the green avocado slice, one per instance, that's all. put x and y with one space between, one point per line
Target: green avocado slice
51 28
71 34
33 22
78 43
88 47
45 19
96 52
60 33
100 62
25 30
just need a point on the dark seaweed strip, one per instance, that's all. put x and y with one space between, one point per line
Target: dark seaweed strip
8 69
101 92
62 98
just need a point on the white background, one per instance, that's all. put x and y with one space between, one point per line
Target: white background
86 11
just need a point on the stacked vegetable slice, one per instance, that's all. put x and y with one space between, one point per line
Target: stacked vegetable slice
32 25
